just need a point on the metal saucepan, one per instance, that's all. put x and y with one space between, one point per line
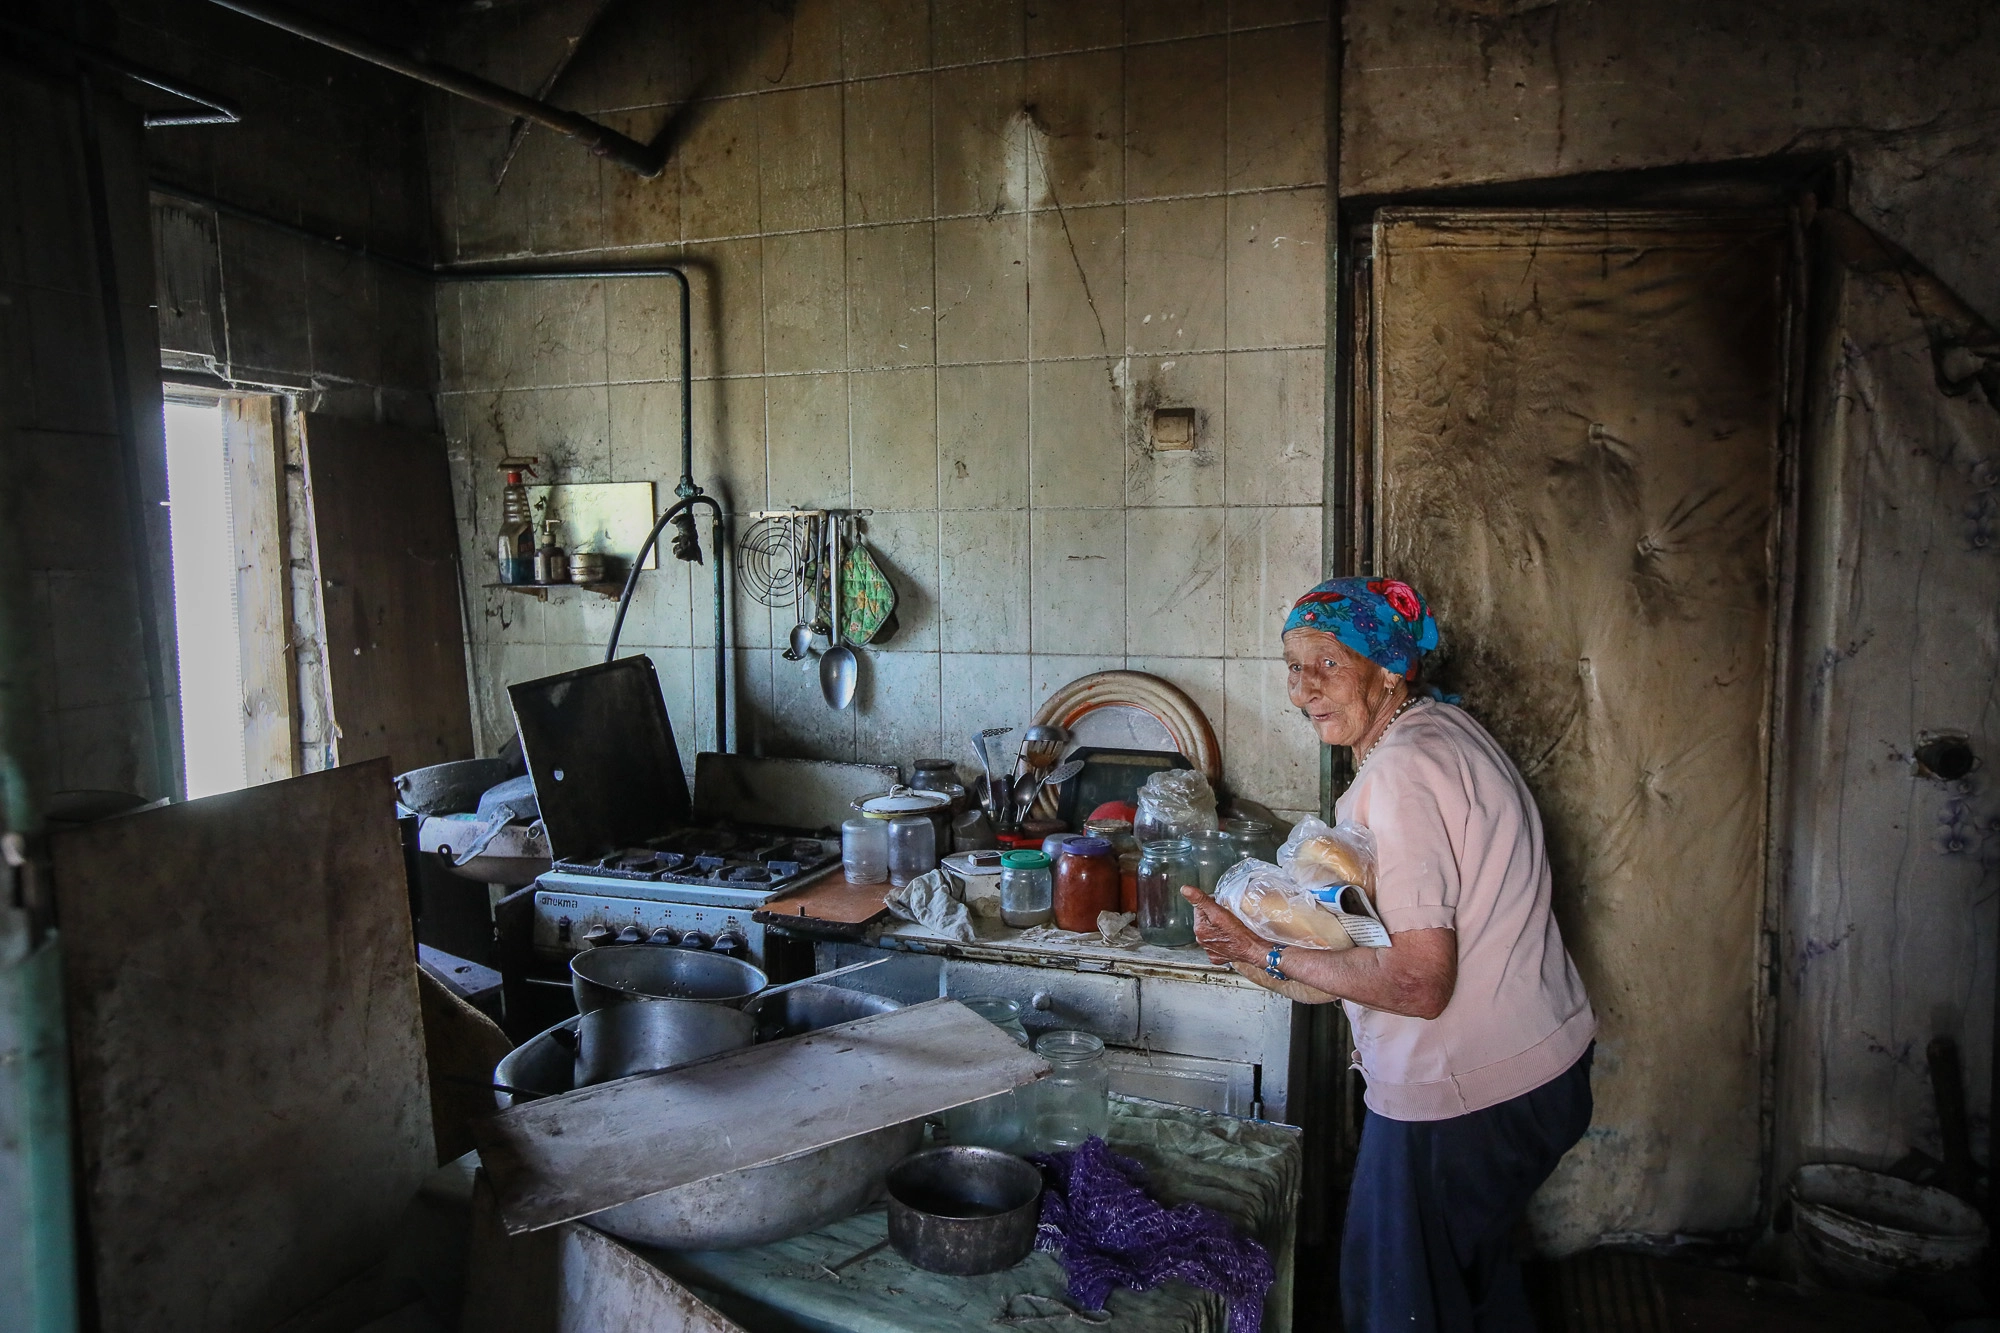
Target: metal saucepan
963 1211
614 973
640 1036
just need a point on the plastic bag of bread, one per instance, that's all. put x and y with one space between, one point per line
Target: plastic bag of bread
1264 898
1319 856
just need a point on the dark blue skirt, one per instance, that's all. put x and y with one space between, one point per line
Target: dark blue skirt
1429 1241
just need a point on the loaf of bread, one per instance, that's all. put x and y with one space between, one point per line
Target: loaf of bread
1288 919
1327 860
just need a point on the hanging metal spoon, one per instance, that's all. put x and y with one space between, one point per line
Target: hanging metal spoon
839 669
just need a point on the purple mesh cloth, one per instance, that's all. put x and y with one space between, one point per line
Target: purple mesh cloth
1108 1232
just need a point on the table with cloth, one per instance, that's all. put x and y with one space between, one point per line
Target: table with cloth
1247 1170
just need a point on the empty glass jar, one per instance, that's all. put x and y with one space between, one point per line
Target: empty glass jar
864 851
1027 889
992 1122
912 848
1165 917
1074 1101
1253 838
1214 853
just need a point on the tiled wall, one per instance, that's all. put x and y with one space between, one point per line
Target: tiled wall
947 259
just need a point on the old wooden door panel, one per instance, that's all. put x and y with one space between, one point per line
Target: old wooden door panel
248 1055
388 561
1577 423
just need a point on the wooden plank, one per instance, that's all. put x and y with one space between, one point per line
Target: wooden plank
388 557
247 1050
263 588
830 901
568 1157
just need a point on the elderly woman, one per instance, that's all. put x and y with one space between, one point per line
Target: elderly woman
1472 1028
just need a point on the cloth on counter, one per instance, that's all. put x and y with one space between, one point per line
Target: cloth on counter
1115 930
1428 1246
1109 1233
931 900
1383 620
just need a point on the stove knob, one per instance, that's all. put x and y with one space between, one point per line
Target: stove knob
664 935
697 939
631 935
731 943
596 935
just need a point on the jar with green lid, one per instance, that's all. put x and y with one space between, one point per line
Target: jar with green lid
1027 889
1165 916
1253 838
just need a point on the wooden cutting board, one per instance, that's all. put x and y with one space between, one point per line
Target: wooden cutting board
827 906
567 1157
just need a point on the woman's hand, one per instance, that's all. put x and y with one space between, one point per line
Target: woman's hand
1217 930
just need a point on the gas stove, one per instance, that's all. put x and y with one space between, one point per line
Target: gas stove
746 858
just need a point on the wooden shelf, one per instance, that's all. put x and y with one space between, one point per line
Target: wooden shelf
540 591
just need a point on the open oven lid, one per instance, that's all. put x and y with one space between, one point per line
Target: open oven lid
601 751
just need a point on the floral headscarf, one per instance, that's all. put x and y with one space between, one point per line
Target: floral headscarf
1383 620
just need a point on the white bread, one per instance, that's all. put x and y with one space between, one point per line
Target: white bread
1327 860
1283 919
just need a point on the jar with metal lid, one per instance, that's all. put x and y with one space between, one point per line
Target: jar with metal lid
1118 832
1074 1101
1026 889
1253 838
1086 884
899 800
1214 852
1165 917
912 848
996 1121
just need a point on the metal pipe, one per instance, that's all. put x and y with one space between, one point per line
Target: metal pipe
599 139
688 494
217 110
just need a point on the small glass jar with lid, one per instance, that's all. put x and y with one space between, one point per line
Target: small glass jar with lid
1213 854
1166 917
1253 838
1086 884
1074 1101
996 1121
1027 889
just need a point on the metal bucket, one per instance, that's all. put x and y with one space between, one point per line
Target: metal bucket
613 973
1863 1230
643 1035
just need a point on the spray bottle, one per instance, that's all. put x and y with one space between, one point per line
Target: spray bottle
517 524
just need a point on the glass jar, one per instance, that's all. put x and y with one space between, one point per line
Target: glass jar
1118 832
864 851
992 1122
1086 884
1026 889
1074 1101
912 848
1165 917
1213 854
1053 844
1253 838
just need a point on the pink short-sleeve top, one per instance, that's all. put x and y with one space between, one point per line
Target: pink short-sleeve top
1458 844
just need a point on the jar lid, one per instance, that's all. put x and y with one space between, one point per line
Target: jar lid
1025 861
1087 847
902 801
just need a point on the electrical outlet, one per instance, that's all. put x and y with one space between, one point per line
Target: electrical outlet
1173 429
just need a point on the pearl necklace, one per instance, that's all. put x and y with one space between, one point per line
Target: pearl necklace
1385 729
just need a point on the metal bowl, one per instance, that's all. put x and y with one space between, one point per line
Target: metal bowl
640 1036
613 973
810 1008
964 1211
544 1065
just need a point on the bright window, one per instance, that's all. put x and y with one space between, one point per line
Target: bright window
205 618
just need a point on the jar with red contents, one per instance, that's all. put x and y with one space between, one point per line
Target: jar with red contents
1086 883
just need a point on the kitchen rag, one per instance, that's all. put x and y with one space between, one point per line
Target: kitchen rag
1108 1232
928 900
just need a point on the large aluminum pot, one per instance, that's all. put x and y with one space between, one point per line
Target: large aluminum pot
612 973
810 1008
643 1035
544 1065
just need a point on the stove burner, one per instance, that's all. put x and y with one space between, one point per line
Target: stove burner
747 875
715 856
